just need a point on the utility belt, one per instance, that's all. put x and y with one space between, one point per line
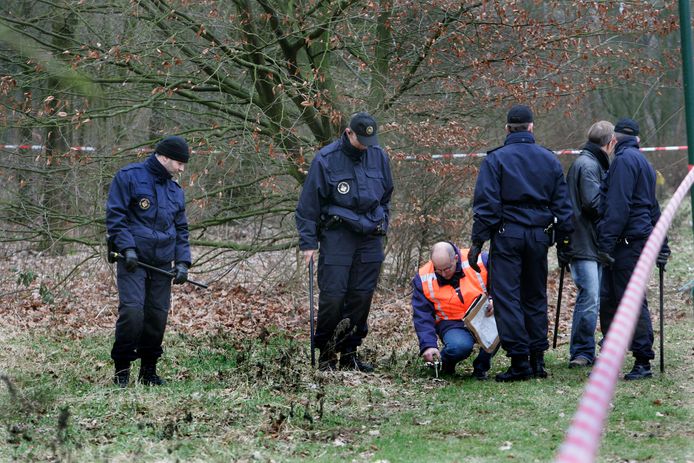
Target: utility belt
549 230
626 241
334 222
527 204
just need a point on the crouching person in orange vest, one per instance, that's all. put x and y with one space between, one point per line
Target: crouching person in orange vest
444 289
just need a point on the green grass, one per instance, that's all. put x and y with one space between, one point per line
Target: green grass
232 399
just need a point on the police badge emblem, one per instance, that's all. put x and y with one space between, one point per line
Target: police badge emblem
369 130
343 188
144 204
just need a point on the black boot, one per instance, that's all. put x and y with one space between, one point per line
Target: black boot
327 360
480 375
122 375
148 374
519 370
641 370
537 364
351 361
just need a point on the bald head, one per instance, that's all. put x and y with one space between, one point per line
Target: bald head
444 258
442 250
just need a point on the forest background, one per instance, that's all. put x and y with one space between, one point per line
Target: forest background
257 87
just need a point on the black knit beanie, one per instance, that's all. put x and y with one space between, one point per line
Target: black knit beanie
174 147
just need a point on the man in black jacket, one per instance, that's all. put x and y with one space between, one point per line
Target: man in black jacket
583 180
629 211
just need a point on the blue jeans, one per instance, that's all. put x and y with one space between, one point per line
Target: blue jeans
458 346
586 275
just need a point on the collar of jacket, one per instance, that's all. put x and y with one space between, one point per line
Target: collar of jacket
350 151
454 280
519 137
598 153
627 142
153 165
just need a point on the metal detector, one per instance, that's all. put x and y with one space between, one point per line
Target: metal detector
661 271
311 312
556 318
117 256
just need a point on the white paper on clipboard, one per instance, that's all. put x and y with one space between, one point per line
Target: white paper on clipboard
482 326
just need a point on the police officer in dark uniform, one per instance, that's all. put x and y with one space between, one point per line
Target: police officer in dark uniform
344 208
629 211
520 202
146 221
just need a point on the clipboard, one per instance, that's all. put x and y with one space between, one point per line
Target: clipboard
482 327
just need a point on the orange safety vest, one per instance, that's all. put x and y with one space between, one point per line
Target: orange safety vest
447 301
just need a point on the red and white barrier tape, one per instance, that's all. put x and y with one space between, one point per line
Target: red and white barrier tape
432 156
585 432
41 147
92 149
481 155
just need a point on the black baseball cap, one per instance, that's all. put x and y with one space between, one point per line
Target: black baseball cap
519 114
627 126
365 127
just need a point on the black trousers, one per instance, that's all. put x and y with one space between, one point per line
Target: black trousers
614 282
144 301
519 288
348 270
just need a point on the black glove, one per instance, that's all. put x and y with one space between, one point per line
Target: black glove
564 251
181 276
130 259
473 254
605 259
662 258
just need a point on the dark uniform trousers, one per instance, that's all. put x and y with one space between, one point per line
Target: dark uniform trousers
518 277
144 301
348 268
613 285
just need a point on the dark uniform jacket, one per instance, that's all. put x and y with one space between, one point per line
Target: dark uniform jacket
347 183
520 183
145 210
584 179
629 209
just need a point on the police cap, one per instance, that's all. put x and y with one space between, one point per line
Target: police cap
365 128
627 126
519 114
